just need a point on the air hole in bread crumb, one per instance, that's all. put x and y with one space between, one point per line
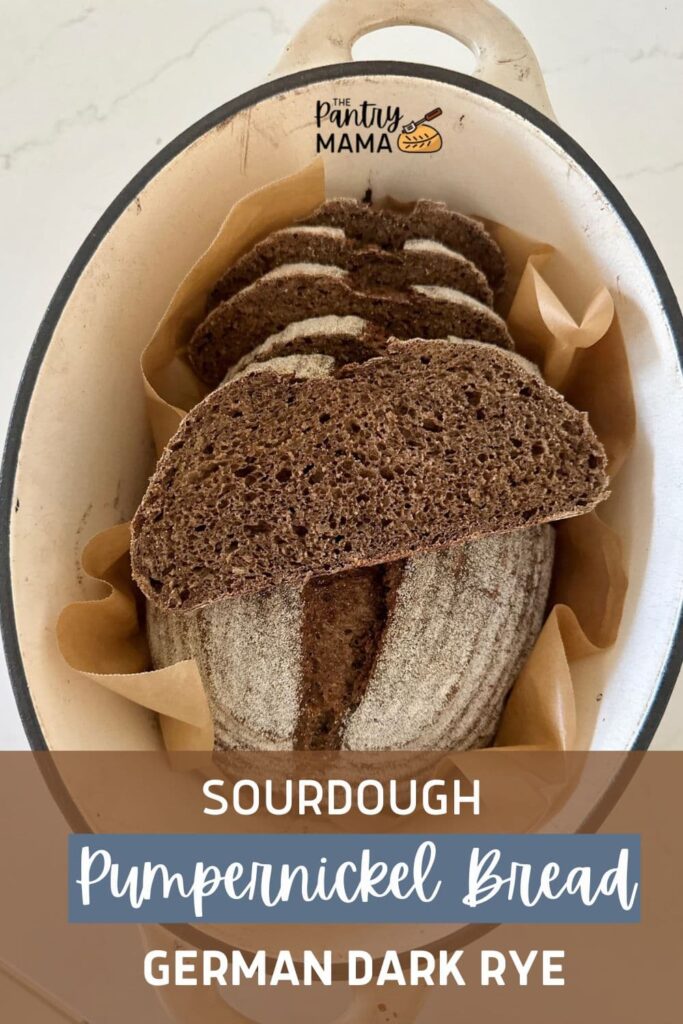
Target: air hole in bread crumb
432 425
325 417
300 531
283 475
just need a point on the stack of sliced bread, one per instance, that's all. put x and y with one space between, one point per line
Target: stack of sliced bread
430 273
350 534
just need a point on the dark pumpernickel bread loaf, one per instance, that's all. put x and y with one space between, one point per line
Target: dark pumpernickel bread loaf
370 268
390 229
272 480
298 291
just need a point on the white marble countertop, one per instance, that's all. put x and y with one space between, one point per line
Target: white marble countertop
90 90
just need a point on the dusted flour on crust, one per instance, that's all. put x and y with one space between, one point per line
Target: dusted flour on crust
463 623
248 654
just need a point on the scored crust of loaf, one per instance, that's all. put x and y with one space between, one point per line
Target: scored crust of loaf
412 655
273 480
462 625
334 665
390 229
298 291
369 267
248 653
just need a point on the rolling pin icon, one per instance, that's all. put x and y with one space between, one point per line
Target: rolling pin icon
412 125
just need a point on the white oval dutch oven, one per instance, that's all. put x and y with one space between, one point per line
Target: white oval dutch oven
76 458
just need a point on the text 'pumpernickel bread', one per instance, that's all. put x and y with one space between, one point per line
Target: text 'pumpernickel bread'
272 480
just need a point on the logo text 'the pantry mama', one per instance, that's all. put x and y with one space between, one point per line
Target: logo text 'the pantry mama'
372 128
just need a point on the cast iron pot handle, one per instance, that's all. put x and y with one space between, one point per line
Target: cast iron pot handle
504 57
205 1005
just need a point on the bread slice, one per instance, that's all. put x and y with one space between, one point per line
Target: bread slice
369 267
341 339
346 339
273 480
298 291
427 219
418 654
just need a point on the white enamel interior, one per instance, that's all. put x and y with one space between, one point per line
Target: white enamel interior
86 450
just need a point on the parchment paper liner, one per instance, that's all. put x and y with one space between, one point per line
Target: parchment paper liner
104 639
